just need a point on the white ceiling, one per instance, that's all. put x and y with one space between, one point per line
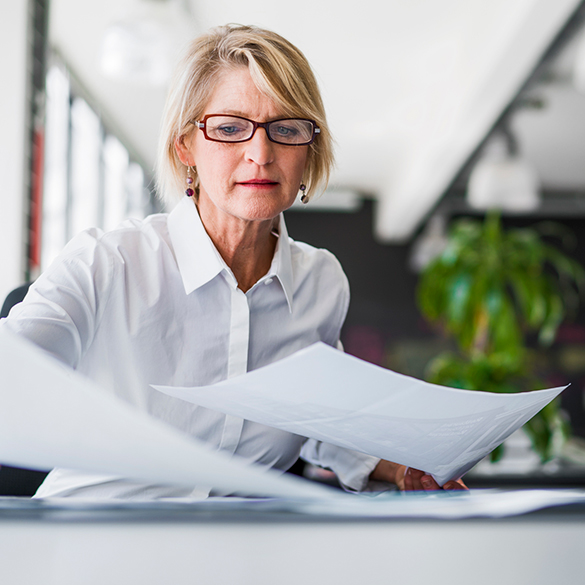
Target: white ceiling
411 87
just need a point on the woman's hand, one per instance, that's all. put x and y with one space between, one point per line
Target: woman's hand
408 479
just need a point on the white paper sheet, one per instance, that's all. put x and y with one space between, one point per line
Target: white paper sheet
444 505
324 394
51 417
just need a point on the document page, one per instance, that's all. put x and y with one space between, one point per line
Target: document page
51 416
325 394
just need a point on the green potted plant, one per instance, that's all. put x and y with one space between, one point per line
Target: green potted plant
489 290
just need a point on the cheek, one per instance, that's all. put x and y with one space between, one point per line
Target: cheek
207 153
213 164
296 164
301 164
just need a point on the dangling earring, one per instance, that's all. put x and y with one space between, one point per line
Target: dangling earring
304 198
189 191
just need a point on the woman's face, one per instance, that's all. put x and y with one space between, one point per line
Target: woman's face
253 180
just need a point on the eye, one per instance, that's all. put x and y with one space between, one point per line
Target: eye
293 131
285 131
229 129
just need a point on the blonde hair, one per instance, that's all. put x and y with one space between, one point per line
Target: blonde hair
278 69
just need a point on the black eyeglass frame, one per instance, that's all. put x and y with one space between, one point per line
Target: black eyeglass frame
202 125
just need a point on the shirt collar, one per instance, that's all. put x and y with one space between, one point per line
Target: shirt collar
188 234
282 263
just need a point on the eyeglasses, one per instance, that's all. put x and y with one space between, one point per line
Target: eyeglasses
289 131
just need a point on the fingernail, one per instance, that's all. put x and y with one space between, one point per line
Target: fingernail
448 486
426 482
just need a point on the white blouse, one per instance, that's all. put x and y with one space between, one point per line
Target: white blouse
153 302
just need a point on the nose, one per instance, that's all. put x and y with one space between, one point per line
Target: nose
259 149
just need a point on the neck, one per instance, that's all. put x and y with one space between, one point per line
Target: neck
247 247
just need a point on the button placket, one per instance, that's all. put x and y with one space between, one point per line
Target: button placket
237 361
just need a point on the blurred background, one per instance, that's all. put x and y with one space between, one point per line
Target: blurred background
441 109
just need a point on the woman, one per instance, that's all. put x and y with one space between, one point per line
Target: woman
216 287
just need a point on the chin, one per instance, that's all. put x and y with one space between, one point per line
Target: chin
263 209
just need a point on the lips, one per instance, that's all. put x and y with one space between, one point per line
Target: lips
258 182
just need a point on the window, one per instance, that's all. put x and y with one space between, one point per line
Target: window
90 178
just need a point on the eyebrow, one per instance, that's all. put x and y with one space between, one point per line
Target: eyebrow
234 113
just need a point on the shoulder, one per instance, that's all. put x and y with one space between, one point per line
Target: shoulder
129 238
321 290
319 263
149 232
93 259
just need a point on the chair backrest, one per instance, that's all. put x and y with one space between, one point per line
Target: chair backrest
14 297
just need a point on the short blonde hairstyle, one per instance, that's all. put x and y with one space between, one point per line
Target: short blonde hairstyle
278 69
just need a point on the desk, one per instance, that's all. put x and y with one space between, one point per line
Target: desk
175 546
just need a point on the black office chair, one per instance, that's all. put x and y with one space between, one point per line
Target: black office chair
13 480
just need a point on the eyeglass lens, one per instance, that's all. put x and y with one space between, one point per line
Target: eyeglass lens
233 129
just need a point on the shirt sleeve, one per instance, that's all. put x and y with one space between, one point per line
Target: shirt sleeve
352 468
61 311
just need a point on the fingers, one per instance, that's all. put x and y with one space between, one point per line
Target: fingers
428 483
417 480
409 479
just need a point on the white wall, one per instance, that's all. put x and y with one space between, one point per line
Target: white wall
13 114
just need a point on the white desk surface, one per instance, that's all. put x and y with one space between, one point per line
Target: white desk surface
110 547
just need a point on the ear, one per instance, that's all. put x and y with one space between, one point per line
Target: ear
183 151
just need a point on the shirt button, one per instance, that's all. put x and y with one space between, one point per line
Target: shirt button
268 281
